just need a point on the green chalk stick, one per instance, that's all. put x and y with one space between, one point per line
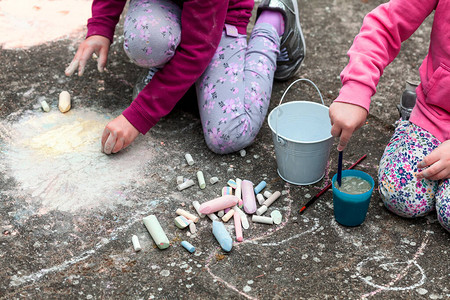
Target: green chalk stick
156 231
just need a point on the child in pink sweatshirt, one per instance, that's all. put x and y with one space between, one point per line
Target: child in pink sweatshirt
201 42
414 170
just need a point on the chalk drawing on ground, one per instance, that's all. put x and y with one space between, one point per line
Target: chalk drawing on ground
256 239
56 159
404 275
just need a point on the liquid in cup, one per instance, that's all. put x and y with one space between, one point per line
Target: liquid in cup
351 209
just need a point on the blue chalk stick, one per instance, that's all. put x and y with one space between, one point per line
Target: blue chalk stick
260 186
188 246
222 236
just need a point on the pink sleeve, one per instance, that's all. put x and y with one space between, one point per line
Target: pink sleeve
202 22
377 44
105 16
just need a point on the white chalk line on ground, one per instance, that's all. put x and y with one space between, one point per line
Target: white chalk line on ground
20 280
254 241
390 286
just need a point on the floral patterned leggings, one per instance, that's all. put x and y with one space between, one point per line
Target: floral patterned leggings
233 93
401 192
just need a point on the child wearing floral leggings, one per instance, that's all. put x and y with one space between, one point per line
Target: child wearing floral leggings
201 42
414 172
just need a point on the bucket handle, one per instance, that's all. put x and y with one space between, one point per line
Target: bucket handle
280 140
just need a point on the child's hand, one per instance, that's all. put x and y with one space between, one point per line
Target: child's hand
438 163
94 44
118 134
345 119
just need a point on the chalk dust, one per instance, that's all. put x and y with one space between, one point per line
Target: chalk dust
25 23
56 159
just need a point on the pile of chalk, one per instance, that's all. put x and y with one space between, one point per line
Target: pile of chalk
238 201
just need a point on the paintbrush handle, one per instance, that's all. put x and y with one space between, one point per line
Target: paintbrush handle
339 173
313 199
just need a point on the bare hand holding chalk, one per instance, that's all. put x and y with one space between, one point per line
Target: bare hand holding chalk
437 163
118 134
94 44
345 119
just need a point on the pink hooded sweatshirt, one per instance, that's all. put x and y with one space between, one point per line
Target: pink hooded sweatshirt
202 22
378 43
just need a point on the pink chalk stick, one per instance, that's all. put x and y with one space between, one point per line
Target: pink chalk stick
248 196
238 227
217 204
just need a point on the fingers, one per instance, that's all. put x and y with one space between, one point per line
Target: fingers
105 135
436 171
344 136
119 145
110 143
102 59
85 56
72 67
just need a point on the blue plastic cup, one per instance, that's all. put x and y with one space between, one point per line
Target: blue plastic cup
351 209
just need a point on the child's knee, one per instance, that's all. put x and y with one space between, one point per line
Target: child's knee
150 51
227 146
443 206
404 201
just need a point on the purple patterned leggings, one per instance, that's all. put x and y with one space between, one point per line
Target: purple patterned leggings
400 190
233 93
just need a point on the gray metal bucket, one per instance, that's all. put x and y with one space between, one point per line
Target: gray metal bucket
302 139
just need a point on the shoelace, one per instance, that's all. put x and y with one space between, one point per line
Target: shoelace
150 74
284 55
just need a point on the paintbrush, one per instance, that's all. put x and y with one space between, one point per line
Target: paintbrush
313 199
339 172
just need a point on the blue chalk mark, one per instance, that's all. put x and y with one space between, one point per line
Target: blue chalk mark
222 236
188 246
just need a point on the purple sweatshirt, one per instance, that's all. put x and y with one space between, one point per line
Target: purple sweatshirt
202 22
378 43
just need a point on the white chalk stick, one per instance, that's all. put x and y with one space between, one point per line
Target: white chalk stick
187 215
179 180
136 244
260 198
192 228
261 219
64 101
238 191
228 215
213 180
45 106
221 213
213 217
156 231
201 180
186 184
276 216
261 210
267 194
196 205
189 159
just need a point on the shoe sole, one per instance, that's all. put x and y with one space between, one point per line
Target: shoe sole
297 21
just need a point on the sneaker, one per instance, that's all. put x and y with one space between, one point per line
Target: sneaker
292 48
143 81
408 100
